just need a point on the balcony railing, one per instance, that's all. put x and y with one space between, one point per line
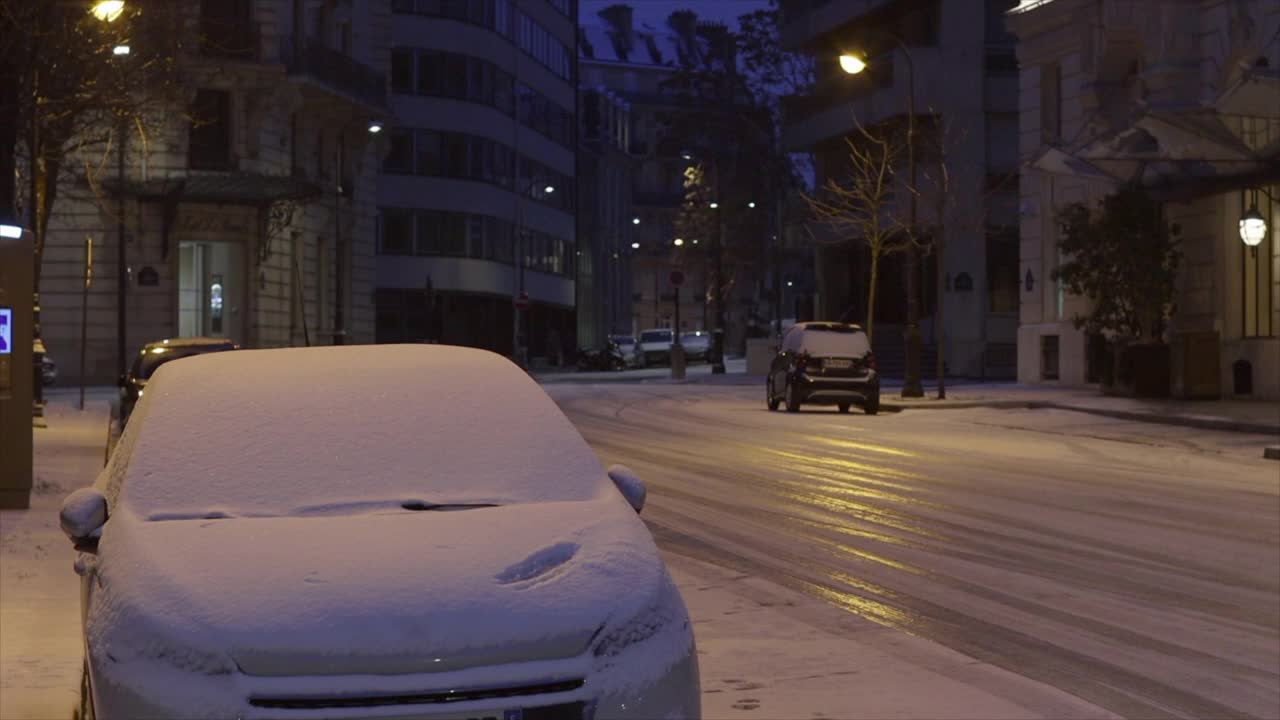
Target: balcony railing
231 41
333 69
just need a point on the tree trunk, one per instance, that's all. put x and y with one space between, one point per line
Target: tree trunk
871 295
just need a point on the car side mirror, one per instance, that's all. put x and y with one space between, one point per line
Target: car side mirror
631 487
82 516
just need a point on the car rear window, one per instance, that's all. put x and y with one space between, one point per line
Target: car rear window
835 341
655 336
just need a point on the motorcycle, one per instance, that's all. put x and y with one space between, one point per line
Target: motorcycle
608 359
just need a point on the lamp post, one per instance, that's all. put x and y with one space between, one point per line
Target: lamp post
518 350
1253 229
853 64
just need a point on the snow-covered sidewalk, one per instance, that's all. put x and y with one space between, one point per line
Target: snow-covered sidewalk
40 640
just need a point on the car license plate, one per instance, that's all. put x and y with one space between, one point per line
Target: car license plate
838 364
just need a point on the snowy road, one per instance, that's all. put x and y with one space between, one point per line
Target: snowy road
1135 567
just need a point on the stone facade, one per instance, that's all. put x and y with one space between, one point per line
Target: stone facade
1183 98
957 73
247 214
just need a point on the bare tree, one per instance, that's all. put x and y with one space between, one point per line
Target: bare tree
857 208
951 215
74 83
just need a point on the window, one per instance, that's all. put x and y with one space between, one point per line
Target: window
402 70
1002 270
1050 102
209 146
227 30
397 232
1258 286
400 152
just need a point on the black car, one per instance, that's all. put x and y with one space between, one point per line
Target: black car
824 363
155 354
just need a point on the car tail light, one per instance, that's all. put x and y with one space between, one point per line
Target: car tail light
871 361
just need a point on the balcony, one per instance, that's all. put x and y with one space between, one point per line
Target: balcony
230 40
873 96
658 199
335 71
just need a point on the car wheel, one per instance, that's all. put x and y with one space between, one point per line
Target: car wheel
793 397
769 398
872 404
844 407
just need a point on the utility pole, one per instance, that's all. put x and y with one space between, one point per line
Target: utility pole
717 259
122 269
911 386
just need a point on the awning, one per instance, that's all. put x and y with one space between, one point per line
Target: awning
1255 94
233 188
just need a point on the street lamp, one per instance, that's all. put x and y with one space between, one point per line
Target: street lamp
375 127
1253 228
678 242
854 64
635 220
108 10
120 50
635 246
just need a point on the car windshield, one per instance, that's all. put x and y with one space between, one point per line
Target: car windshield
337 430
151 358
624 339
835 340
655 336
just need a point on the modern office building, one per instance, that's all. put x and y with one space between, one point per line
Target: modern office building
606 224
247 213
1183 98
951 65
476 200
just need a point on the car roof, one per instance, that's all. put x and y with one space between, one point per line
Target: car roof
190 342
827 325
305 426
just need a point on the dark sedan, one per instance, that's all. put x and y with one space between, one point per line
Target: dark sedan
824 363
153 355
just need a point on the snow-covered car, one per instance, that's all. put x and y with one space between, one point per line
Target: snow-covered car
376 531
629 347
655 347
697 344
153 355
824 363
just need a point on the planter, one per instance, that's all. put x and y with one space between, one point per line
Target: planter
1138 370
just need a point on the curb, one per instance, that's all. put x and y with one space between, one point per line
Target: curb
1221 424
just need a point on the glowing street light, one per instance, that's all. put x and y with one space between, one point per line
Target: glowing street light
715 205
678 242
852 64
108 10
120 50
375 127
549 189
635 246
1253 228
635 220
751 204
11 231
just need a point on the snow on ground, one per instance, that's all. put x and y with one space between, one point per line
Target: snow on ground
40 641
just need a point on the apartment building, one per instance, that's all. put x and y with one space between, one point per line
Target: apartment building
949 67
1183 98
249 212
477 193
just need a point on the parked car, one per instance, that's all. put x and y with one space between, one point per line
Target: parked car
153 356
605 359
48 370
629 347
824 363
697 345
351 531
655 347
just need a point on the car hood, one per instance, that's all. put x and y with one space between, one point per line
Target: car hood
384 592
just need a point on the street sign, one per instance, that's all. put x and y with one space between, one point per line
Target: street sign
521 301
6 330
676 278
